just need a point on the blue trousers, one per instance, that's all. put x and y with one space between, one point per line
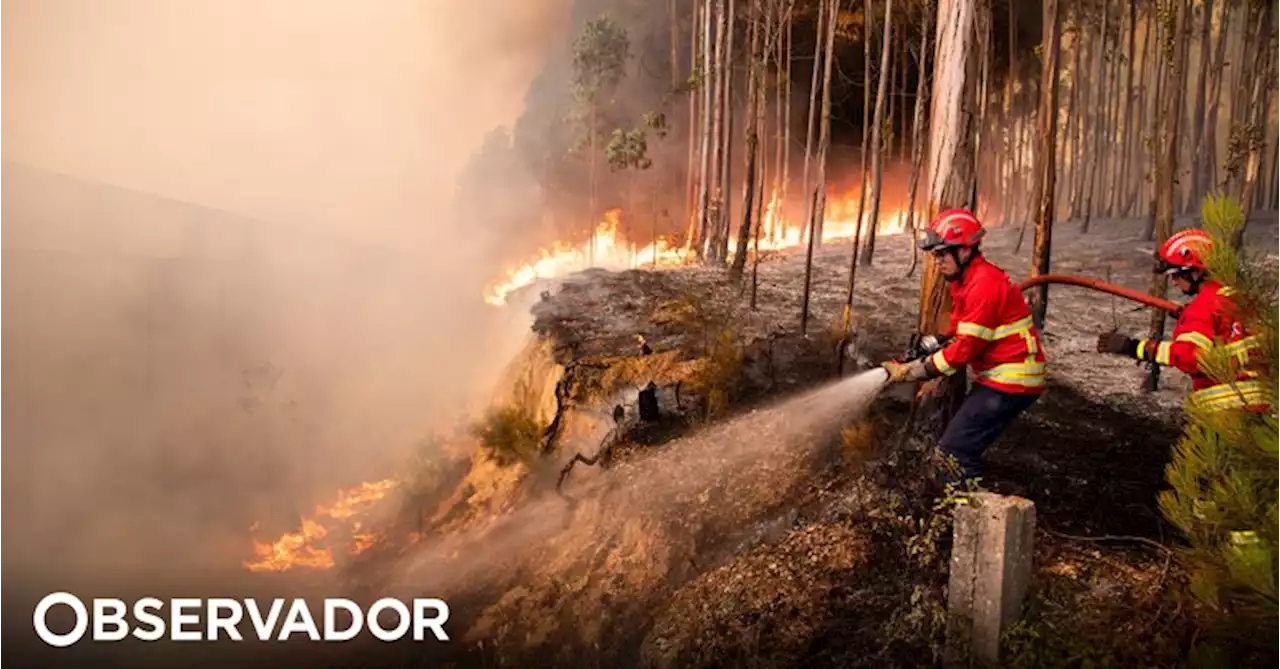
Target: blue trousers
983 415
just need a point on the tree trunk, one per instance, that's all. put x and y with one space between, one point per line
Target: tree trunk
824 135
786 125
1095 159
761 112
904 66
714 171
1110 156
1121 174
726 159
1207 164
1171 118
691 197
591 188
1046 163
876 150
1155 149
866 132
674 20
1070 166
1135 173
810 222
982 29
1273 192
917 143
779 128
1010 185
1198 112
888 133
1080 174
952 163
1264 76
706 80
751 127
811 132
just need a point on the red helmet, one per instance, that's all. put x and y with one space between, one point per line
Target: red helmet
1184 250
951 229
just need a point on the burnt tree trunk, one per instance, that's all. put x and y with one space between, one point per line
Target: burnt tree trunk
813 217
877 131
786 124
751 127
726 139
951 170
1125 122
1080 174
877 150
866 134
1046 161
1135 170
705 81
1154 149
917 142
1208 159
714 172
1069 165
810 133
1198 111
1255 132
1098 115
1166 174
691 180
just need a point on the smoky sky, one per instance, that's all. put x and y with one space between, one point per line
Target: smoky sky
351 116
232 277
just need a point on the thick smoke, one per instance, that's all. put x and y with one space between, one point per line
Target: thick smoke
234 274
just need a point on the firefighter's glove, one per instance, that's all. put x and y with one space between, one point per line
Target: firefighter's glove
900 372
1118 344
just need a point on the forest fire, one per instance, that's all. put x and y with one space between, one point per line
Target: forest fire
613 251
311 546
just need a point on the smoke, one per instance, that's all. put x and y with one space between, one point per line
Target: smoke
234 277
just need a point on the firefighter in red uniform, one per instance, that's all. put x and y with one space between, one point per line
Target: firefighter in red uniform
990 331
1206 321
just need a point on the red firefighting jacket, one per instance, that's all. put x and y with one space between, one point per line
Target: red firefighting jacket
1206 321
993 332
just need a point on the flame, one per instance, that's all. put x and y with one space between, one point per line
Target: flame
307 547
607 249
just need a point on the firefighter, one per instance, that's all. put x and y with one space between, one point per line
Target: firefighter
1206 320
990 331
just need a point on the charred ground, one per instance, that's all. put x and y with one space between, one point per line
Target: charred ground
817 550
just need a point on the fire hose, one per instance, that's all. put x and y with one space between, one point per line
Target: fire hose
1103 286
921 344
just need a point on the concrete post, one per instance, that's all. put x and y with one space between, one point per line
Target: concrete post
991 554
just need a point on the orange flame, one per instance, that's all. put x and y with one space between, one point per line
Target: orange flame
308 548
611 251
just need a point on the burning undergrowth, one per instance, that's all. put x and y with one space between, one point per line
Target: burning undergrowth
694 542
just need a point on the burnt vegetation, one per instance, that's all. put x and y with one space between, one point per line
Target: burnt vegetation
666 509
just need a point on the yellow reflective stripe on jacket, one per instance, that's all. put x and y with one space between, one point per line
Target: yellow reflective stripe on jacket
1142 347
1241 350
940 361
971 329
1030 374
1162 352
1201 341
1235 395
975 330
1016 327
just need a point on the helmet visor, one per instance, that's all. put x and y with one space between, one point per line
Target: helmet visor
931 241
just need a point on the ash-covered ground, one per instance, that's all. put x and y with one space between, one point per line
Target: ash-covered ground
787 528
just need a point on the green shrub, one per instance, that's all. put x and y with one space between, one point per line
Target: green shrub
511 432
1223 475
